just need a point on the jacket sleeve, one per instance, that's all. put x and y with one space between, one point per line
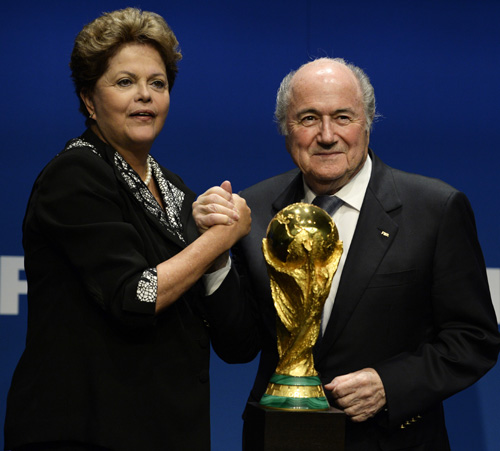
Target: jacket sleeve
78 209
465 341
232 323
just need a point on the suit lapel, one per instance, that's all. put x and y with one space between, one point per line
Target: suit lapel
294 192
189 197
374 234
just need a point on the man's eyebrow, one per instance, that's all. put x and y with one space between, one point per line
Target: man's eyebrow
315 111
344 110
308 110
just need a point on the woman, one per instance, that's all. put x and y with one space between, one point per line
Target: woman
117 350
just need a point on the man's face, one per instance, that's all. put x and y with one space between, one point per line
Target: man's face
327 135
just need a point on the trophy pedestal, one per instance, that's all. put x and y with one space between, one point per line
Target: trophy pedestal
284 430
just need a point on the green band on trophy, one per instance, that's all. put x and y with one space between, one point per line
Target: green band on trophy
283 379
280 402
291 393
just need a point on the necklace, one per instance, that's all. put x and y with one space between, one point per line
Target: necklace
148 172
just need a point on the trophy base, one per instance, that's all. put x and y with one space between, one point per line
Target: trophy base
294 393
278 430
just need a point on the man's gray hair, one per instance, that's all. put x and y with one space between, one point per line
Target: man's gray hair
284 94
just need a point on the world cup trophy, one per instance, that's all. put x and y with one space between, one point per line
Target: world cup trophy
302 251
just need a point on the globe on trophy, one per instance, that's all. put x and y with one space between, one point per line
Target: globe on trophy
302 251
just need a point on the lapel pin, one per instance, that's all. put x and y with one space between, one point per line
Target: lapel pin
384 234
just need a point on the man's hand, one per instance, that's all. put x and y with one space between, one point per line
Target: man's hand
215 206
361 394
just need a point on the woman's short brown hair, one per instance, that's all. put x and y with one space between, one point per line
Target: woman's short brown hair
102 38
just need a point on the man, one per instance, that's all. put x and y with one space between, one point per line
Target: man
409 320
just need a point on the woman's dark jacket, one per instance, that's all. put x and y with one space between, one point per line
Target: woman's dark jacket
99 366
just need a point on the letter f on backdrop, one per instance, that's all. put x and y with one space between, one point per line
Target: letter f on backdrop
11 285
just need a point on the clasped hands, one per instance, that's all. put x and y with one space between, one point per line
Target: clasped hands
219 206
361 394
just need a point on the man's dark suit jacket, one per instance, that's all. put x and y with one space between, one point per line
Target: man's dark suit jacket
413 303
99 366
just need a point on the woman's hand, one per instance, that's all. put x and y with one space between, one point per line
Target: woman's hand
215 206
226 214
219 207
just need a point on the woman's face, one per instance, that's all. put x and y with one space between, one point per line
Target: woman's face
130 101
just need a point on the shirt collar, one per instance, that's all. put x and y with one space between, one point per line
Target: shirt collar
354 192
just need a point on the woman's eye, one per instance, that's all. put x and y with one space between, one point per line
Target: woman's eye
159 84
124 82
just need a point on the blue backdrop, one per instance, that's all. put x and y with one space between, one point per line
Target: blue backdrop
435 67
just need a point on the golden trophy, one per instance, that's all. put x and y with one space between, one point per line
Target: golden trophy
302 251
